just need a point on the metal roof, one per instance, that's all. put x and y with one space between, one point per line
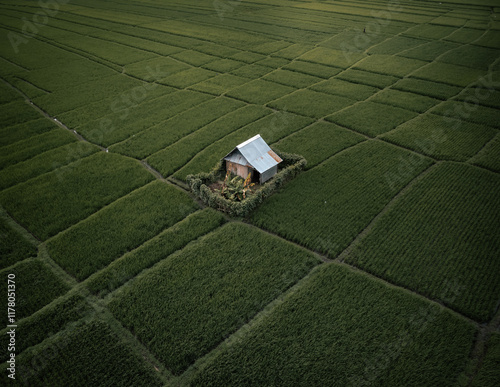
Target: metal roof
256 153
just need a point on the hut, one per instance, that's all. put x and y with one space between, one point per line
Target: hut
253 156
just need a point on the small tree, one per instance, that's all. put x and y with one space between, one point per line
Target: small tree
236 189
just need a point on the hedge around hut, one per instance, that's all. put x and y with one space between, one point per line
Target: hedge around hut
291 165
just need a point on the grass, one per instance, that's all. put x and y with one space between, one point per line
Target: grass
371 118
429 51
488 156
193 300
469 110
168 132
45 162
252 71
291 78
430 243
471 56
13 246
330 57
311 103
35 286
16 112
271 128
121 124
444 138
315 69
395 45
389 65
346 328
219 84
427 88
318 142
120 227
47 321
25 149
405 100
87 346
260 91
326 207
342 88
188 77
153 251
489 374
170 159
367 78
54 201
12 134
449 74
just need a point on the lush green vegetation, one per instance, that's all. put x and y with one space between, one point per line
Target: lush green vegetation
35 286
445 138
87 346
327 206
395 106
207 291
120 227
456 254
54 201
47 321
319 141
489 373
176 155
371 118
346 328
45 162
154 250
13 246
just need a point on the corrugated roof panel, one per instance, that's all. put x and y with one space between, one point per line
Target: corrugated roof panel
256 153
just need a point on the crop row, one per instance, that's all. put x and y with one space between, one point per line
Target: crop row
65 360
440 240
326 207
191 301
45 162
167 242
35 286
168 132
318 142
271 128
178 154
120 227
54 201
13 246
488 156
34 145
46 322
344 328
441 137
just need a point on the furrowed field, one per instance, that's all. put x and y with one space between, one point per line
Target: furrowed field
376 265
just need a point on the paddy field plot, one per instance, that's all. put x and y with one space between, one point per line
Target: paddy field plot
376 265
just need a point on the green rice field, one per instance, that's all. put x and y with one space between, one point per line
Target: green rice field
377 265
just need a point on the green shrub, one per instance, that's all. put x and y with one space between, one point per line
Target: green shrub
291 166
